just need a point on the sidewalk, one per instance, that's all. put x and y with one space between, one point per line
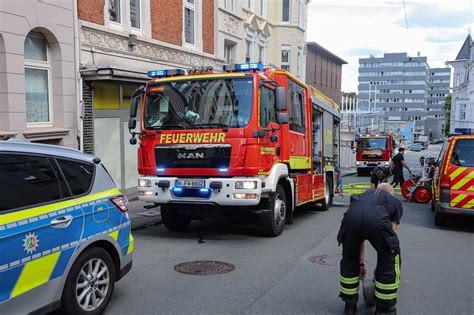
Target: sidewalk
349 171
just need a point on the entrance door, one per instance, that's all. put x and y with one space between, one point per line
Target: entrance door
111 136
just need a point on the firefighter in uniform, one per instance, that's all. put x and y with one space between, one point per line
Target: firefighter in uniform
379 175
374 216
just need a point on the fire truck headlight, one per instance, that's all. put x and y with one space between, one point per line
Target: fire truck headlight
250 184
144 183
357 163
387 163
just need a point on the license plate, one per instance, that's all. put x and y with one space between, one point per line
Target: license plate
191 183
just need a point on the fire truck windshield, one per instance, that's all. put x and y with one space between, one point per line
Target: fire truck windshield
199 103
372 143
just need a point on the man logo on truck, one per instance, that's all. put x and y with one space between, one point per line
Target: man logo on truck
190 156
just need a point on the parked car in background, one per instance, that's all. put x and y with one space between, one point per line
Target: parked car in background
65 235
417 147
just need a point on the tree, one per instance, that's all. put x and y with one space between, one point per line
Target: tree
447 113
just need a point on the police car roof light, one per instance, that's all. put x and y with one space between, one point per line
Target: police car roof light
165 73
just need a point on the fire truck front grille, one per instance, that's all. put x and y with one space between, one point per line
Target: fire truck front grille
372 156
193 156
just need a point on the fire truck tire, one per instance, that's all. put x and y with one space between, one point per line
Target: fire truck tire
360 172
172 220
327 201
440 219
433 207
272 222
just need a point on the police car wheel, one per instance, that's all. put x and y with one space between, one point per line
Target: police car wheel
273 221
90 283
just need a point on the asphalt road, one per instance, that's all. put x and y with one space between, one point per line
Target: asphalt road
276 275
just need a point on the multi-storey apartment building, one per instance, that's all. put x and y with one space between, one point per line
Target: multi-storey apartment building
462 104
269 31
37 72
120 40
403 88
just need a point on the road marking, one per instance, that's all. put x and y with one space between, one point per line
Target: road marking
358 188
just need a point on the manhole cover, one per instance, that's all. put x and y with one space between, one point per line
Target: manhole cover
327 260
204 267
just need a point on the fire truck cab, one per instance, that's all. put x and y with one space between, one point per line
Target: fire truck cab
246 140
373 150
453 180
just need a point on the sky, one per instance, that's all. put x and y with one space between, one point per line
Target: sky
354 29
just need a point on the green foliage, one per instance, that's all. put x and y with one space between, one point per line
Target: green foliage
447 113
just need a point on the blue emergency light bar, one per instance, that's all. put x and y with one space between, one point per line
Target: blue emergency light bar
464 131
244 67
165 73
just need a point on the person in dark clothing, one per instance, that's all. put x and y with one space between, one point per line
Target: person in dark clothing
379 175
374 216
398 163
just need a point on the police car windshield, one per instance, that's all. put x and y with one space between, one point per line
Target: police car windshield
372 143
463 154
199 103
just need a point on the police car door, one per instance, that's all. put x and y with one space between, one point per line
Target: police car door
40 225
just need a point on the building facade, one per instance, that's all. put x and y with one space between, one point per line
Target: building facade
120 41
462 102
270 31
324 71
402 88
37 72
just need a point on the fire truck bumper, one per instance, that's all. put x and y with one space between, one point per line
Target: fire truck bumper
235 191
445 208
367 164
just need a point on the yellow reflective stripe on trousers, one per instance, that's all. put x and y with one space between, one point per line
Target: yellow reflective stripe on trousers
33 212
349 280
391 286
385 296
35 273
349 291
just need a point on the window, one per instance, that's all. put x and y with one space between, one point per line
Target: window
114 11
462 112
263 8
285 14
31 181
261 54
296 94
135 13
298 65
463 154
78 175
301 13
250 4
248 53
285 57
229 5
267 106
229 52
37 79
189 22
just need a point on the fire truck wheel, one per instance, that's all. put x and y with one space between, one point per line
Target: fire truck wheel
360 172
433 207
273 221
326 202
172 220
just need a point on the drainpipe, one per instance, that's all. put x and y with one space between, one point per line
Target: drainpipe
78 79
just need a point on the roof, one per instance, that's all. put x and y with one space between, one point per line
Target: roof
320 48
465 51
46 149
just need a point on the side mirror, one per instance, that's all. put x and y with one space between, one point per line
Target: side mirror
282 118
133 107
132 124
281 98
352 145
422 160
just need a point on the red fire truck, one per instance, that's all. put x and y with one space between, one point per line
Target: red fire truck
249 140
373 150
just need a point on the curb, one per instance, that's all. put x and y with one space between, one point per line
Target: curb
349 174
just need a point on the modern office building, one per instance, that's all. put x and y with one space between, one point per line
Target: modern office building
400 88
